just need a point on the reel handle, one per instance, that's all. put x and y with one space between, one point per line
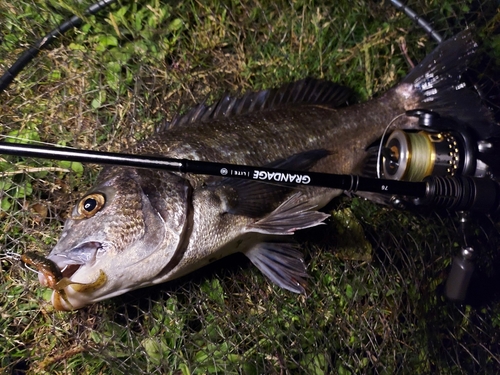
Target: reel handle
461 272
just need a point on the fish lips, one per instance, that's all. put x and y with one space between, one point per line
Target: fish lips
70 261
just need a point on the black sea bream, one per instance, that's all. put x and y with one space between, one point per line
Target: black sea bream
139 227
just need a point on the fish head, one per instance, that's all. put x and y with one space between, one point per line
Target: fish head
119 236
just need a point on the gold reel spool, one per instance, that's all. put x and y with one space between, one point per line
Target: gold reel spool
413 156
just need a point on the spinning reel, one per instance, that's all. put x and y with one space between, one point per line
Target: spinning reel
442 148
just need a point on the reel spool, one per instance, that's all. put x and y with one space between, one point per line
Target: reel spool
410 156
439 150
443 148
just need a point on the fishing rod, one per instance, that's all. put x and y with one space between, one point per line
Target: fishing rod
455 193
31 53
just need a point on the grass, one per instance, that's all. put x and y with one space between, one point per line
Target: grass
375 303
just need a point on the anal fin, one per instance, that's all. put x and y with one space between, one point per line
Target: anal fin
282 263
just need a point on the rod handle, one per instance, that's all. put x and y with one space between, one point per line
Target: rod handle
462 193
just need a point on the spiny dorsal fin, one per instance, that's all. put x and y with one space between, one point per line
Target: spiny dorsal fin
306 91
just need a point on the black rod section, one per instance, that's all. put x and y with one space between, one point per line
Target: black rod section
350 183
461 193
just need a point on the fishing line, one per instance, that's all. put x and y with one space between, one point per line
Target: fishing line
31 269
12 256
421 156
30 54
379 154
16 258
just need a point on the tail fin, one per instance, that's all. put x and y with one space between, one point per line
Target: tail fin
437 84
484 76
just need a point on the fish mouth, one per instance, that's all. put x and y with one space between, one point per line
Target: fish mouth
64 297
70 261
67 271
70 269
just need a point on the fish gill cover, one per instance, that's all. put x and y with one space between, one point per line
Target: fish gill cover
375 302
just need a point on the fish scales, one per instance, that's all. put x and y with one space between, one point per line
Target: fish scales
281 133
259 138
140 227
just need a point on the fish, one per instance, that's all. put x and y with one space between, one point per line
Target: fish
139 227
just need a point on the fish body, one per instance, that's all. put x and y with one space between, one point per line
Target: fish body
141 227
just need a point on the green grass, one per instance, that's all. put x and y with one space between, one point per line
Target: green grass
375 301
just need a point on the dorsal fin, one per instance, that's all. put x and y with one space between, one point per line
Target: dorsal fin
306 91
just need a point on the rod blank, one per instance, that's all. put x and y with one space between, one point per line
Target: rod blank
349 183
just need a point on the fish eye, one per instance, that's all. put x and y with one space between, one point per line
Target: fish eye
90 205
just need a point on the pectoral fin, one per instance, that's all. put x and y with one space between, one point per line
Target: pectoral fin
246 197
282 263
291 215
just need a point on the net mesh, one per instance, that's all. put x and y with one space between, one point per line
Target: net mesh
375 299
